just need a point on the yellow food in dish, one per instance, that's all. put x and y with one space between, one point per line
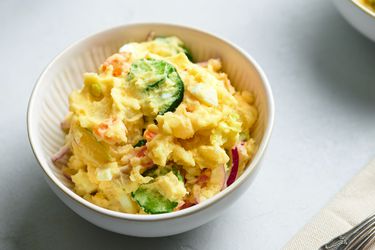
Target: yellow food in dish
370 4
152 132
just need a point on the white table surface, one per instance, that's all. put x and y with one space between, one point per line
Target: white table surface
322 74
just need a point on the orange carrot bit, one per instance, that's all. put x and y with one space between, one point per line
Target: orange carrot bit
204 177
103 67
141 152
149 135
185 205
117 71
148 164
190 108
100 129
103 126
109 139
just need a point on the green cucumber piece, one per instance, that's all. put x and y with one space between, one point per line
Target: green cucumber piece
152 201
140 143
156 171
188 54
157 83
152 172
177 173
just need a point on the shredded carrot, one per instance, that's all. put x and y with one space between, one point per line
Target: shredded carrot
142 151
103 126
148 164
103 67
186 205
100 129
149 135
190 108
204 177
117 72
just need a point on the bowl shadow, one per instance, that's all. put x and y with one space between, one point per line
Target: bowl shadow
48 224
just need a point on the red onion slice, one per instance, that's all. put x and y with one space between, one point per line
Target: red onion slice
61 153
65 125
218 177
234 170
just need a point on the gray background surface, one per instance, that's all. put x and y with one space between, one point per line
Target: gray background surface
322 74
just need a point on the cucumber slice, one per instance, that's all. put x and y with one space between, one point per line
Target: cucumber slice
177 173
152 172
156 171
152 201
188 54
158 84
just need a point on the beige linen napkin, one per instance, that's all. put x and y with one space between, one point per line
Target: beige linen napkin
354 203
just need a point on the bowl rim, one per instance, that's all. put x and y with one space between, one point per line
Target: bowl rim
251 167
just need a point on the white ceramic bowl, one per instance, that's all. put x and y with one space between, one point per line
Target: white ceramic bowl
358 15
49 104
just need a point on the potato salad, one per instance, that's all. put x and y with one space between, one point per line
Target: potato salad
154 132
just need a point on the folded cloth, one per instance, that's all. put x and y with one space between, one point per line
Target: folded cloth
354 203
